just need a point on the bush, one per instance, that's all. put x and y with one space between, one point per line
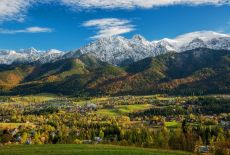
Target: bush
222 148
78 141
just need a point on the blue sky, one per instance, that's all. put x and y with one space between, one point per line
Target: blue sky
70 24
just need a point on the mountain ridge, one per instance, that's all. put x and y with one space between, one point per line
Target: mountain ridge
30 55
121 51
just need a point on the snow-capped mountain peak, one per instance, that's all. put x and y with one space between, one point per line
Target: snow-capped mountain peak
119 50
31 50
139 38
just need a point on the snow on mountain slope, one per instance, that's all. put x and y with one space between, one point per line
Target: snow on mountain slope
50 55
204 39
28 56
118 50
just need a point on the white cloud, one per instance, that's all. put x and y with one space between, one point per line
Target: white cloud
27 30
128 4
38 29
13 9
16 9
107 27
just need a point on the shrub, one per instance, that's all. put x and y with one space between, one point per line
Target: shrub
78 141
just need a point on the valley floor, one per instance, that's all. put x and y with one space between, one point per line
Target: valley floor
190 123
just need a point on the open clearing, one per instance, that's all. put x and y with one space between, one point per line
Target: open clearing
124 109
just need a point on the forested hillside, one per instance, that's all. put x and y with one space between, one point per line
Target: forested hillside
199 71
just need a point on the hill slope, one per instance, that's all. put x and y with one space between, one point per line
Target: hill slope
200 70
197 71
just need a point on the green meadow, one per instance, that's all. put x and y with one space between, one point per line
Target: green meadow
124 109
71 149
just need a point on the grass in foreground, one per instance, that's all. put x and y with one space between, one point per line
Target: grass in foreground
71 149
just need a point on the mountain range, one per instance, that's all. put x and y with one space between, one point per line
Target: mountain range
194 63
120 51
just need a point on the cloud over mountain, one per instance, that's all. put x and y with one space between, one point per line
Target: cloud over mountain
107 27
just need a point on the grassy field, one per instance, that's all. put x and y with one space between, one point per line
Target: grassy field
172 124
29 99
123 109
82 150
